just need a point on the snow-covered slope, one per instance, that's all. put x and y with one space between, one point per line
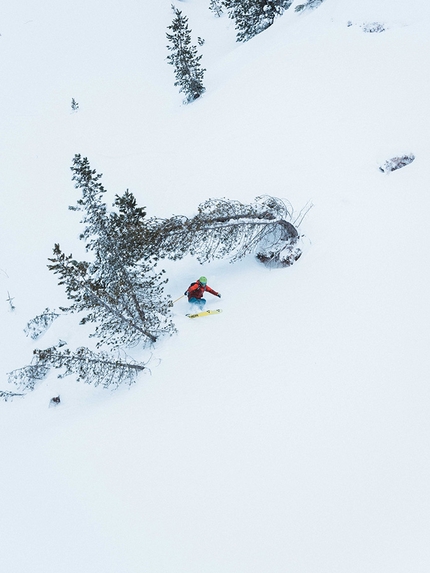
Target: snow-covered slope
291 432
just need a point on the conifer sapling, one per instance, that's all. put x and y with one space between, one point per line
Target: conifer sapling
185 59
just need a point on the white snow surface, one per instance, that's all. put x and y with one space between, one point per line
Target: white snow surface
291 432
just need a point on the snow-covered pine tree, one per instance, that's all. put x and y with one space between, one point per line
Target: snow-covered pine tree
91 367
119 288
253 16
97 368
225 228
185 59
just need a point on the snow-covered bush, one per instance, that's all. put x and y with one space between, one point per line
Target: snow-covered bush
373 28
308 5
397 163
278 260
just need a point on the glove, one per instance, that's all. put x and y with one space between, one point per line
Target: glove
219 295
185 293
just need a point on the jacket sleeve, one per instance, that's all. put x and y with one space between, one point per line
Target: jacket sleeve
211 290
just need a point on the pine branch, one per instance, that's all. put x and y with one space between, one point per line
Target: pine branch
114 312
27 377
90 367
86 294
40 324
6 396
226 228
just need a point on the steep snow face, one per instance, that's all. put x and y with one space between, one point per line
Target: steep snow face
290 432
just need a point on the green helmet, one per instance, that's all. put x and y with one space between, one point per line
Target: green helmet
203 280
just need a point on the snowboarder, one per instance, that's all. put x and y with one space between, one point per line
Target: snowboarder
197 289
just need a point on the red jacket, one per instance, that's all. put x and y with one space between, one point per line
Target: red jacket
196 290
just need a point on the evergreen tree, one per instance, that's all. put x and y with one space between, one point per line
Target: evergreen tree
91 367
224 228
253 16
119 289
184 58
